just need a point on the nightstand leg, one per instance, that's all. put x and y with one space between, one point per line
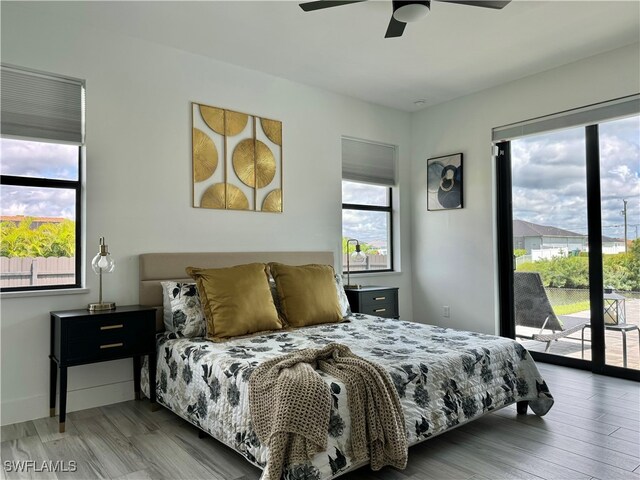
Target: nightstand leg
152 381
136 377
63 397
53 378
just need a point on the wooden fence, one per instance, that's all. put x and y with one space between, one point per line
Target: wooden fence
28 271
373 262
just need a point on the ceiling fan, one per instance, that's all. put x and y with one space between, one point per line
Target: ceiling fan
404 11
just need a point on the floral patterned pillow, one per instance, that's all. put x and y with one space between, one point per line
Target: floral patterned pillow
275 296
183 313
342 297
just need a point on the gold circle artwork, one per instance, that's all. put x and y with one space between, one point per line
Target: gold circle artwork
213 117
213 197
273 201
254 163
254 166
205 156
235 122
217 118
272 129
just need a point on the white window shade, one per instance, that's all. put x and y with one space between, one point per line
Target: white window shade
589 115
41 106
368 162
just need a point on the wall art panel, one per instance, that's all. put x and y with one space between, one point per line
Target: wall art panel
237 160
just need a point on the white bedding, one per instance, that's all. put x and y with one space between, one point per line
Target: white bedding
444 378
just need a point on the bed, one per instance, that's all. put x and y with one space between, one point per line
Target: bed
444 377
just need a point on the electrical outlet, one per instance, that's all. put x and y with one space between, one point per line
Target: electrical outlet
445 311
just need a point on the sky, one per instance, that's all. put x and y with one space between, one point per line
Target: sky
38 159
367 227
549 178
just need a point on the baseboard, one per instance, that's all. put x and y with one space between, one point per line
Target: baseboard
31 408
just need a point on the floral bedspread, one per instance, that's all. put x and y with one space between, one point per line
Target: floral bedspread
444 378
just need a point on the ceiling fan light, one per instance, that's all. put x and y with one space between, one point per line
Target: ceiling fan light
409 11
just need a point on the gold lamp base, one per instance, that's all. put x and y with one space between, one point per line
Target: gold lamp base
98 307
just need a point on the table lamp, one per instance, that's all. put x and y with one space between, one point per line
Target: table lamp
102 263
357 257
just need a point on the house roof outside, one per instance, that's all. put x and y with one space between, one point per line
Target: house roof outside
528 229
40 220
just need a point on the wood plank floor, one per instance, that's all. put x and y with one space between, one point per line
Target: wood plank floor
592 432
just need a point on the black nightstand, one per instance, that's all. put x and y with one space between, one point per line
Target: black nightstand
372 300
79 337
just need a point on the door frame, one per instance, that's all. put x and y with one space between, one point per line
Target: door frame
504 218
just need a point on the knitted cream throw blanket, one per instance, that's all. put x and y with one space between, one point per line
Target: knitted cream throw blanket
290 406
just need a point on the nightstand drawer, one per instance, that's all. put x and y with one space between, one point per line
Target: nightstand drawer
106 337
385 298
90 327
109 346
81 336
382 310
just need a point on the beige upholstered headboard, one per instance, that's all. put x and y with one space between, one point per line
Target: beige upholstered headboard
156 267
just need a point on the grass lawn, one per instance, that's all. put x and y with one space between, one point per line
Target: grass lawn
571 308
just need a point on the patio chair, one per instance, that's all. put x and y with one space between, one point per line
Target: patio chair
533 309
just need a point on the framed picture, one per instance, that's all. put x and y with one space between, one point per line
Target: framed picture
444 182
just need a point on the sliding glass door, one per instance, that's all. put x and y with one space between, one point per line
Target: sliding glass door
568 214
620 193
551 242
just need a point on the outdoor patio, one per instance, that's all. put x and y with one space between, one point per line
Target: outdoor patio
570 346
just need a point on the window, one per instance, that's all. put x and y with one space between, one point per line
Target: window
367 217
368 180
42 132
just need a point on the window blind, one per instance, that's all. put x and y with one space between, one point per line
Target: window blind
41 106
588 115
368 162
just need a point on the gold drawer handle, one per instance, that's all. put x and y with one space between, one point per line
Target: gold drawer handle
111 327
112 345
379 298
379 310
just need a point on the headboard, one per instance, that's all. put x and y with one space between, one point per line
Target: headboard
156 267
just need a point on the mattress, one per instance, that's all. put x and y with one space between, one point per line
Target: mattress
444 378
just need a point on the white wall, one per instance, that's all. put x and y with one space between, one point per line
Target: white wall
138 179
454 252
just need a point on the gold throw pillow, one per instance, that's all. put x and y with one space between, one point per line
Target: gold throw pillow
307 294
236 301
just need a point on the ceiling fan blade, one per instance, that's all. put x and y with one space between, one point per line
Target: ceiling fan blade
395 28
320 4
495 4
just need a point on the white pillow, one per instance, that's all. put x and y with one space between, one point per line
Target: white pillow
183 314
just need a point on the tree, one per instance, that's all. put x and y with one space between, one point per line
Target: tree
621 271
364 247
48 240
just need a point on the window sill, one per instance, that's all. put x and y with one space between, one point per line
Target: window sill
44 293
